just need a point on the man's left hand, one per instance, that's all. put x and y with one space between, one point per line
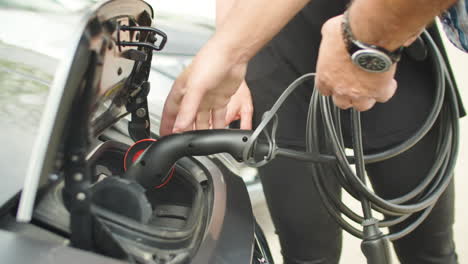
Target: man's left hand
349 85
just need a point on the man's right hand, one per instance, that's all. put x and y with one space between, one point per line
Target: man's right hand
199 97
347 84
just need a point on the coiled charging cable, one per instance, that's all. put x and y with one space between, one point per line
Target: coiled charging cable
420 200
157 160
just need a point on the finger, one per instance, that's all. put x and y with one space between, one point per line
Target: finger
341 101
169 114
172 104
231 114
167 121
246 118
388 92
363 103
218 118
188 111
203 120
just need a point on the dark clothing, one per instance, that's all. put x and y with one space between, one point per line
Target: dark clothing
306 231
294 52
309 235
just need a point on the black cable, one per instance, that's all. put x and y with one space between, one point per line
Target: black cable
432 197
327 151
359 154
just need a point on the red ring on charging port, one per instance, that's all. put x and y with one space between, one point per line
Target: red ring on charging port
135 151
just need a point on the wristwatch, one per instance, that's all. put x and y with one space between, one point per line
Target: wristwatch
368 57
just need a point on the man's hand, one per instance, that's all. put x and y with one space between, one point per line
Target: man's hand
338 77
385 23
241 107
200 95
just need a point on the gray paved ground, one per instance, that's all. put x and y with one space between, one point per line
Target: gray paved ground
351 250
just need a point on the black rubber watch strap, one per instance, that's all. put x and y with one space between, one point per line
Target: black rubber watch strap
354 45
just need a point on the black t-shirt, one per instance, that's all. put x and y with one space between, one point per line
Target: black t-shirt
294 52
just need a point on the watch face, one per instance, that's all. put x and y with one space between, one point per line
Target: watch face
371 60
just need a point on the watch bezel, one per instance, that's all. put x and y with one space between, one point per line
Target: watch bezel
376 53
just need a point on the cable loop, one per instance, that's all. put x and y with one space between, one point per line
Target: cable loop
321 114
248 153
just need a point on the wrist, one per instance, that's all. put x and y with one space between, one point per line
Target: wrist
368 57
371 27
229 47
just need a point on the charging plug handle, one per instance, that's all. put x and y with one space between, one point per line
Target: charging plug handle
375 246
152 167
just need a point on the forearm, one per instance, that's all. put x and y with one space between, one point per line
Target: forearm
390 23
245 26
222 9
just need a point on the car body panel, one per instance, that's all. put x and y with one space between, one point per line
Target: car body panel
63 90
232 221
17 249
48 42
24 88
229 230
